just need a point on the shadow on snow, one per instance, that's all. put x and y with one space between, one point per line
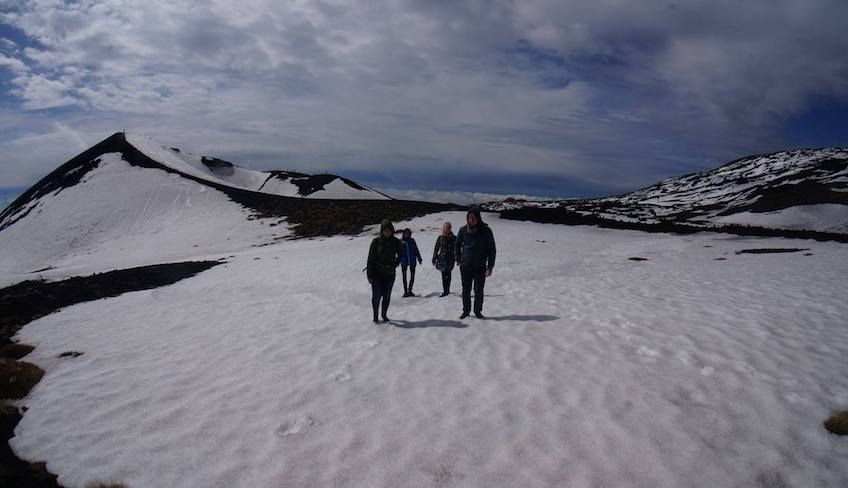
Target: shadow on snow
405 324
524 318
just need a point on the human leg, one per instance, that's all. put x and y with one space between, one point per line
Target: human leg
466 274
388 282
479 284
405 287
376 294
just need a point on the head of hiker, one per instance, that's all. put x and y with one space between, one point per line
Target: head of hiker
446 229
473 217
387 229
407 233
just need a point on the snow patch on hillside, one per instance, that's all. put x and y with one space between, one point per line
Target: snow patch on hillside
824 218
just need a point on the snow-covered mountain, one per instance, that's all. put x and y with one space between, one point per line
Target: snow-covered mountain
285 183
131 201
797 190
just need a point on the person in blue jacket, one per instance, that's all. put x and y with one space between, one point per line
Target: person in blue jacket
475 254
409 256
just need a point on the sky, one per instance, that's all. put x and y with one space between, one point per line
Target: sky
535 97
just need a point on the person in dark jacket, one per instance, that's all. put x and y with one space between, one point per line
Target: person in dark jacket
408 258
443 256
475 254
383 259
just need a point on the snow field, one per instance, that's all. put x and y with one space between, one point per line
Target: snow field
592 370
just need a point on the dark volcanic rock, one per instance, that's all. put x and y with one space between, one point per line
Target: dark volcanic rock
29 300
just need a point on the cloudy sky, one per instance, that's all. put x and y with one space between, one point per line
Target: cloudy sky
539 97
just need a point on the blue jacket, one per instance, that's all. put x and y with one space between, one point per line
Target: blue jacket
409 254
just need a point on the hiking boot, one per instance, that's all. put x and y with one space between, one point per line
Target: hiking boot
464 315
444 294
479 315
376 320
385 319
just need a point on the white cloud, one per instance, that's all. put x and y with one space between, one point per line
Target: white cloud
602 90
457 197
15 65
39 92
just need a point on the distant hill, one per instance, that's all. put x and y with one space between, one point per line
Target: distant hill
800 190
132 201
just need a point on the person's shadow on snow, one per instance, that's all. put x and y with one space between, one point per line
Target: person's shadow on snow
524 318
405 324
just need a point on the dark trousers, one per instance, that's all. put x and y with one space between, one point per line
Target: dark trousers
475 277
381 289
411 277
446 280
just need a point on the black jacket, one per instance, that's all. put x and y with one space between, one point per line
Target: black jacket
476 247
444 250
383 256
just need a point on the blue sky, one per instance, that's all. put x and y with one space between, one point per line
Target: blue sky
538 97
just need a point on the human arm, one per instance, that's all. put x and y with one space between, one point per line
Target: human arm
369 265
398 252
417 253
491 254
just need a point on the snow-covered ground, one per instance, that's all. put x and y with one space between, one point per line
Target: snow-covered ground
592 370
822 217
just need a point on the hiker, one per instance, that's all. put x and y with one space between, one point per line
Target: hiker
443 256
475 254
383 259
408 258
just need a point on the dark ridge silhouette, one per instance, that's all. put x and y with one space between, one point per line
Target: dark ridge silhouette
568 217
309 184
65 176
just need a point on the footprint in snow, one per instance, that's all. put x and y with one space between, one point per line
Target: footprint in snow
343 374
294 427
647 354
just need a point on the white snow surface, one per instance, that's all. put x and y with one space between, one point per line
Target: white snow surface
592 370
822 217
243 178
120 216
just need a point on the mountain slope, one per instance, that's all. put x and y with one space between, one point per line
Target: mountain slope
134 203
284 183
793 190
